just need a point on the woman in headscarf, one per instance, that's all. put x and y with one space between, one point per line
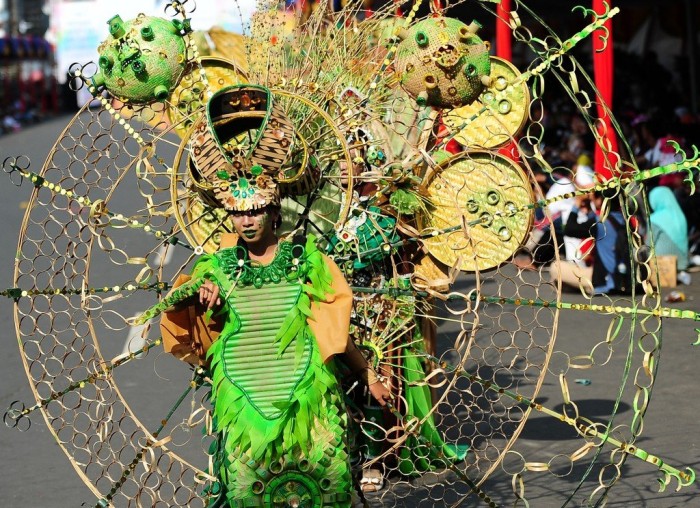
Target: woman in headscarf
669 229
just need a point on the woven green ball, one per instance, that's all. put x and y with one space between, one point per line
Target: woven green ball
441 62
142 60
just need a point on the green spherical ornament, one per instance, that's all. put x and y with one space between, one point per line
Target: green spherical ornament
442 62
142 60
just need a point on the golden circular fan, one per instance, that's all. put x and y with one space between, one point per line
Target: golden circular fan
498 114
189 96
478 221
207 227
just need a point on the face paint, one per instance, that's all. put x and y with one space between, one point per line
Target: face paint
254 225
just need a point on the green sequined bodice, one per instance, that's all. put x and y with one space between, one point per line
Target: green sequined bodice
261 297
251 357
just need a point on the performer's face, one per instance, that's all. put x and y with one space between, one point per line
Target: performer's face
357 167
255 225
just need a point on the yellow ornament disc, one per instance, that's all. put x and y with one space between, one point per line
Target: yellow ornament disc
190 95
479 218
499 113
206 228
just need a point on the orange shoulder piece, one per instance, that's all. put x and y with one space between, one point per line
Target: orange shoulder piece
228 240
330 318
185 333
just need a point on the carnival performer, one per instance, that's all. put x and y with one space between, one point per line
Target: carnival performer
389 325
283 310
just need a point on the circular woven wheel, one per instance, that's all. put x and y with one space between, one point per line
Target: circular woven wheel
480 215
498 115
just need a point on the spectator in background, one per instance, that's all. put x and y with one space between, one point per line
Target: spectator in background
602 277
561 211
669 229
575 273
663 153
10 124
641 139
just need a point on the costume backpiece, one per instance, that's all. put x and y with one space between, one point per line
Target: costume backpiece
345 116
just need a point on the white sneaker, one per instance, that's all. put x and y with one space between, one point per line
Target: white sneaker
372 480
684 278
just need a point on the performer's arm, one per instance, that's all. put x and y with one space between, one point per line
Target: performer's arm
187 329
357 363
209 295
334 313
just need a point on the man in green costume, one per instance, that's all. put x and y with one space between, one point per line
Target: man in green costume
281 316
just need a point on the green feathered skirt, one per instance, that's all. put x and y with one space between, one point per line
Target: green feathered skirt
281 427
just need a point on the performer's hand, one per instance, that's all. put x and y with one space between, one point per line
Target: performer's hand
209 295
380 393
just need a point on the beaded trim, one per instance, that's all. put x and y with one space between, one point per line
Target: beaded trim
289 264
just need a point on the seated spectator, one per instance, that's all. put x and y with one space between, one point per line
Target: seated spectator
605 274
669 229
540 247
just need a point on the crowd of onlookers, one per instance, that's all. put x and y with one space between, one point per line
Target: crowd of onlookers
18 115
28 105
595 253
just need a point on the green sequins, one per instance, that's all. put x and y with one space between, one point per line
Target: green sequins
289 264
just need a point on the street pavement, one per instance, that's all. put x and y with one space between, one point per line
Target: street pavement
35 472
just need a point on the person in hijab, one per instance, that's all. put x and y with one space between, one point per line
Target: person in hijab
669 229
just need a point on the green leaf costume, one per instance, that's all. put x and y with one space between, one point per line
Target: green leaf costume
278 409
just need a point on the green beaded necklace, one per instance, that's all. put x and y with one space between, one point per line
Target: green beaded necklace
288 264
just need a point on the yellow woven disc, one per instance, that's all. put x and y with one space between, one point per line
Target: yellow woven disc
190 94
506 106
230 46
206 229
485 191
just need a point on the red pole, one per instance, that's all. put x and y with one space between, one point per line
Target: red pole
504 43
605 157
504 49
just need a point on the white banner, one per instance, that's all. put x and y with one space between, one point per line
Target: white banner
77 27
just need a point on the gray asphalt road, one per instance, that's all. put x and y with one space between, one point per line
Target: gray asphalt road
35 472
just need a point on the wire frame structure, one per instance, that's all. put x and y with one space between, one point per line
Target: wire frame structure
441 303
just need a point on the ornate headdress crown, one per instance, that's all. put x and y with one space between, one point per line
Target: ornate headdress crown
239 147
